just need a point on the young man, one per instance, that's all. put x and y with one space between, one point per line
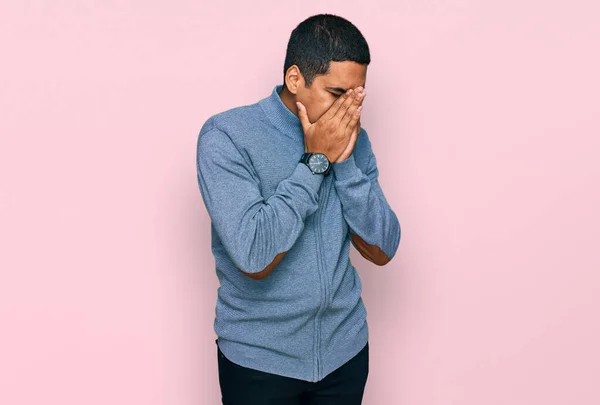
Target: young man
290 182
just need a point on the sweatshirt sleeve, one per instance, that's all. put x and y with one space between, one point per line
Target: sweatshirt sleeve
364 205
252 229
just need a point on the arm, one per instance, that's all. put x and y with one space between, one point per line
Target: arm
255 232
267 270
372 253
374 227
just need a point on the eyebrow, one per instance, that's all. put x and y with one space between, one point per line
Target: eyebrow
340 89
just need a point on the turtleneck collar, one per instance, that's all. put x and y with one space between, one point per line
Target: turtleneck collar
280 115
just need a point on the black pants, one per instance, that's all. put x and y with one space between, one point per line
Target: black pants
245 386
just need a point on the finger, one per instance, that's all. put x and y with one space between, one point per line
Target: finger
344 108
358 100
351 127
330 113
303 115
359 96
362 94
352 137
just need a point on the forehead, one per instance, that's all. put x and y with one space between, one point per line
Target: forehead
345 75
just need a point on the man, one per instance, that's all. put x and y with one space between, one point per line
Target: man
290 182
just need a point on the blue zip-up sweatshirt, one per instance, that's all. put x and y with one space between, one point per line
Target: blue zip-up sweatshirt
306 318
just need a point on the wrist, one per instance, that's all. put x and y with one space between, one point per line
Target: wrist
317 162
319 151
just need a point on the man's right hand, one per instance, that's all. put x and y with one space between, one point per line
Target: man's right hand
331 133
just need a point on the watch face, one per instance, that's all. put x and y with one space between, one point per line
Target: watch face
318 163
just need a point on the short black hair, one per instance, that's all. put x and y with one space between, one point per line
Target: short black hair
323 38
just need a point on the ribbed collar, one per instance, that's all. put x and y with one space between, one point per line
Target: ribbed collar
282 118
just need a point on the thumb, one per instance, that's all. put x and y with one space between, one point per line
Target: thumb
303 115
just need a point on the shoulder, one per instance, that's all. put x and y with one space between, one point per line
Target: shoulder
225 134
232 120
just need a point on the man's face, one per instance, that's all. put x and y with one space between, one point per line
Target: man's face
325 89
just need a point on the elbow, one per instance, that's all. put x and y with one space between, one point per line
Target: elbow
255 274
382 260
379 257
372 253
262 274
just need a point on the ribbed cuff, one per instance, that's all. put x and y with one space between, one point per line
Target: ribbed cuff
304 173
346 169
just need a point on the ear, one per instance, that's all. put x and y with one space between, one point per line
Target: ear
294 79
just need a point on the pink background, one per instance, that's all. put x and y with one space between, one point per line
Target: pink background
484 117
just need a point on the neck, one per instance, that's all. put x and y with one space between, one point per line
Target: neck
289 100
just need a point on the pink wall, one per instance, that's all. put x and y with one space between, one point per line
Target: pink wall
484 119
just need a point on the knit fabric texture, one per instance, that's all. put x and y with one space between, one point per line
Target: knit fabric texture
307 317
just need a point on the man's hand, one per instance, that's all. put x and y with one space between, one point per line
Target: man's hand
332 133
348 151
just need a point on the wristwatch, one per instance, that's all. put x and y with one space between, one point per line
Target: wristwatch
316 162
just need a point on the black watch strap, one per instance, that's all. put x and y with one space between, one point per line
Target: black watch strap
304 157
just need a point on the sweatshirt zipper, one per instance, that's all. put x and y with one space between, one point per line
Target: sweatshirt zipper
322 276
